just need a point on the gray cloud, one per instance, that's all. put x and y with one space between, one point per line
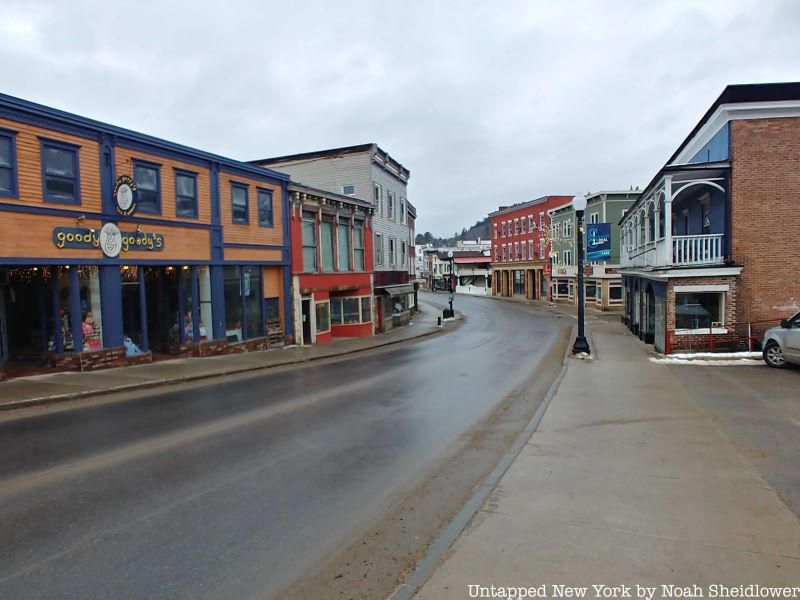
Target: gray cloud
486 103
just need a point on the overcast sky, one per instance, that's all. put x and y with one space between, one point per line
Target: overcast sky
487 103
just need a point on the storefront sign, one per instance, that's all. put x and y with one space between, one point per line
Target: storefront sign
125 195
598 241
109 239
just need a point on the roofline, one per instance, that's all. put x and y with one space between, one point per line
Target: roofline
295 186
527 204
84 123
317 153
731 95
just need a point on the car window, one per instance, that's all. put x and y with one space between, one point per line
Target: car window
796 322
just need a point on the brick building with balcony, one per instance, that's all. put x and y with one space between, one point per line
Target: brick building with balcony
521 248
709 252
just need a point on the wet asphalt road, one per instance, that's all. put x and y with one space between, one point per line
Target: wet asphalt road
232 489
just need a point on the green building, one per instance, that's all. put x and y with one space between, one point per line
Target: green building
604 284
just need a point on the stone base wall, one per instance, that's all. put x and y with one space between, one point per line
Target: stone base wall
211 348
184 350
97 359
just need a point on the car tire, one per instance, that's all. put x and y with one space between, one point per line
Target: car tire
773 355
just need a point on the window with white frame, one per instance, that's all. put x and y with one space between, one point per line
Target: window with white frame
699 310
510 227
541 220
504 252
391 251
351 310
541 247
523 248
594 218
309 223
495 254
390 205
402 211
556 229
403 252
503 225
378 198
495 231
358 245
567 254
349 190
530 249
531 224
568 228
516 226
522 225
516 251
378 249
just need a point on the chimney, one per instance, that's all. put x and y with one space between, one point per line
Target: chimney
502 208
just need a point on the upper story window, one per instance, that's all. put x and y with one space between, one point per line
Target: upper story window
349 190
265 208
239 204
568 228
60 172
522 225
326 245
185 194
556 230
541 220
402 211
531 224
343 240
495 231
148 184
8 164
309 242
516 226
358 246
504 228
594 218
390 205
378 249
567 254
378 197
403 253
391 251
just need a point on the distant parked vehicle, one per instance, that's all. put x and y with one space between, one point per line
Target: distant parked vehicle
782 344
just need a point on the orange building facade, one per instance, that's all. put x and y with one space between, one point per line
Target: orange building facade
117 247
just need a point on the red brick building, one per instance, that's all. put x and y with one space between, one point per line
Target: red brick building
521 248
710 251
332 265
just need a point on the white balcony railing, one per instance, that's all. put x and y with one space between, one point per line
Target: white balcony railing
697 249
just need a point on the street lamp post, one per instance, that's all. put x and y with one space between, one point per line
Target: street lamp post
580 345
451 287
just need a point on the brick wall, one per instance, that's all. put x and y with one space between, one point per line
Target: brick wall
765 187
705 341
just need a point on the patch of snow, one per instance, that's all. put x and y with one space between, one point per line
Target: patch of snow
708 363
716 355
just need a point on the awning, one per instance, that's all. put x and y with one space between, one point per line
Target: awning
397 290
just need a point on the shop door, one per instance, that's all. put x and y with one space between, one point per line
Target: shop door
306 310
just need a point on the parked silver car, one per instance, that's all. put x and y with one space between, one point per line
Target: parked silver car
782 344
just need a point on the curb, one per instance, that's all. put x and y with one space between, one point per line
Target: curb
66 397
430 561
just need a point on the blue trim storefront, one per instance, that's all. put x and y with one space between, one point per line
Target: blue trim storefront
68 299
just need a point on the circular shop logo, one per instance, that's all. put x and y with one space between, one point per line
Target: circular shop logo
124 190
110 240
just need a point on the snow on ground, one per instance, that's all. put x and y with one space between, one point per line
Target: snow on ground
716 355
705 362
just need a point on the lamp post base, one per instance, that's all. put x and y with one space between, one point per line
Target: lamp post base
580 345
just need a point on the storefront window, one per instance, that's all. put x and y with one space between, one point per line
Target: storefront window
91 315
323 317
233 305
699 310
366 309
336 311
252 291
615 292
351 310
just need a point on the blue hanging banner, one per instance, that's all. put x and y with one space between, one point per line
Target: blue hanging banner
598 241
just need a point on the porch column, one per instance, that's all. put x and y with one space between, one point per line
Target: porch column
58 336
75 310
668 217
143 308
242 303
218 328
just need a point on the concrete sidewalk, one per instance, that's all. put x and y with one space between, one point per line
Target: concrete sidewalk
625 481
57 387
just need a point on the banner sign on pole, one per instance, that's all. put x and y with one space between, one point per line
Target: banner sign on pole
598 241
